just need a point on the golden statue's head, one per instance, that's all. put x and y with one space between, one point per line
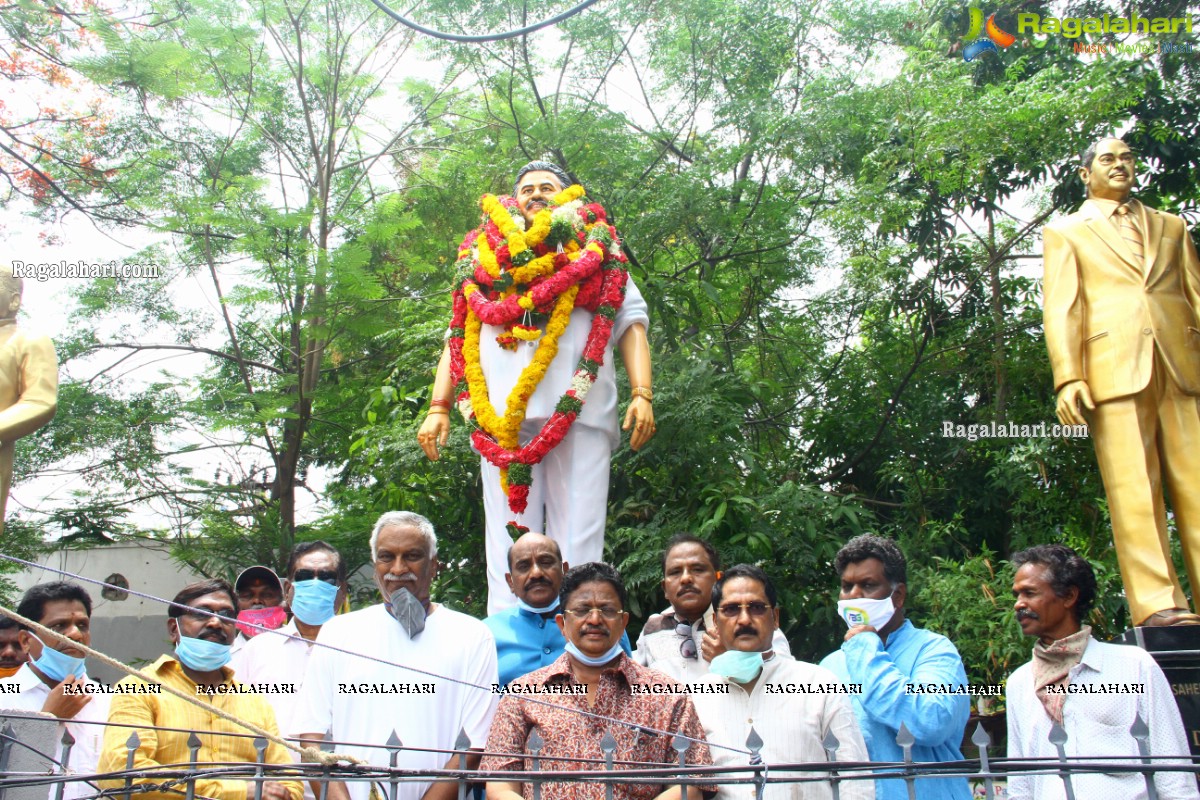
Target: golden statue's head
1108 170
10 292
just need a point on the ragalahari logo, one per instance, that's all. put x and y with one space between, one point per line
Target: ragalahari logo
981 43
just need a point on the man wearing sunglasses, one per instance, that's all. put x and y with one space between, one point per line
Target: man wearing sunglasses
593 676
201 623
885 653
315 587
682 640
792 705
526 636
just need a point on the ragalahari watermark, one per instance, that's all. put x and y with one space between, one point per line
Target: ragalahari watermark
83 270
1012 430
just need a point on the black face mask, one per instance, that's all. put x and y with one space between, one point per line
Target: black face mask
408 611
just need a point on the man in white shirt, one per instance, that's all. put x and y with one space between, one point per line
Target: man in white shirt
1054 590
791 705
54 680
260 598
363 701
316 586
682 639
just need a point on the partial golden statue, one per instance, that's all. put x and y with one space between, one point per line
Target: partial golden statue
1122 320
28 381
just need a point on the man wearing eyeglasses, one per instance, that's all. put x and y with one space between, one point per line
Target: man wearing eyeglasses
593 676
315 587
885 653
201 623
526 636
682 640
792 705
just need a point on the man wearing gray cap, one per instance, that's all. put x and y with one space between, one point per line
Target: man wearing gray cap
506 358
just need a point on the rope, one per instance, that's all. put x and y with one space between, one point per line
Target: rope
488 37
308 753
376 659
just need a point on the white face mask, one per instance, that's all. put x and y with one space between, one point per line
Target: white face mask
866 611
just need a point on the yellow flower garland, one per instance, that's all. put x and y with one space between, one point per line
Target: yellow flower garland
507 430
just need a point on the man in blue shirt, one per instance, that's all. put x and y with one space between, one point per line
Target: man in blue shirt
885 653
526 635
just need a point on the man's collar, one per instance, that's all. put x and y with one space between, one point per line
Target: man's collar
1093 657
26 679
900 633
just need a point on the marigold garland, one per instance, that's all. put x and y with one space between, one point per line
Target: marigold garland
570 257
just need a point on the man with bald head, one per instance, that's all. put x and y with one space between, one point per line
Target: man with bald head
526 635
1122 320
28 381
568 487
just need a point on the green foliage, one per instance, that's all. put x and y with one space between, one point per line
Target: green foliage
833 217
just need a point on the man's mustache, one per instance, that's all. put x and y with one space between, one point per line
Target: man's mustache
746 629
1025 613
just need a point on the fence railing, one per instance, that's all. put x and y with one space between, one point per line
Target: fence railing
35 764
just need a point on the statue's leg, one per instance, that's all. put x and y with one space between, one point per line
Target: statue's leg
1179 442
497 539
1125 431
576 479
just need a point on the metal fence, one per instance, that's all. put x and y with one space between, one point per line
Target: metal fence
30 771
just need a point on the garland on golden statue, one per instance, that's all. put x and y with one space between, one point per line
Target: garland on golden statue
570 257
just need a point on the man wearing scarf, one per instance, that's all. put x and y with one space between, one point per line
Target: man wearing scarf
1093 690
364 690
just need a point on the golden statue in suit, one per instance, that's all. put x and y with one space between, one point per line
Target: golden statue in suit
1122 321
28 381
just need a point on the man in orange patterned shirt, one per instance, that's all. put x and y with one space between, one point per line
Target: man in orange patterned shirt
641 708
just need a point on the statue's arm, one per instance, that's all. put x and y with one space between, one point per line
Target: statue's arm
1062 317
435 430
39 391
1191 272
635 352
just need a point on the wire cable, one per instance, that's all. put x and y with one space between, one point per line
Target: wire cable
487 37
527 698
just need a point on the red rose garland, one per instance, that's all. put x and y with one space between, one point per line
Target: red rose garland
601 278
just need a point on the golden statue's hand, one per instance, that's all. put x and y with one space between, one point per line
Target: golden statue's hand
641 417
434 432
1070 396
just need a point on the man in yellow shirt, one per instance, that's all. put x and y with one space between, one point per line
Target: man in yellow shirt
202 644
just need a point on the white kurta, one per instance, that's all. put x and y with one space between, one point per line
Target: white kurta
273 657
791 724
569 495
88 737
363 701
1097 725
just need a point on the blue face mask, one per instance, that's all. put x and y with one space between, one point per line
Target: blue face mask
201 654
313 601
533 610
58 666
737 665
612 653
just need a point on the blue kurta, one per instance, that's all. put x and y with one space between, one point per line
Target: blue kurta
526 641
911 655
